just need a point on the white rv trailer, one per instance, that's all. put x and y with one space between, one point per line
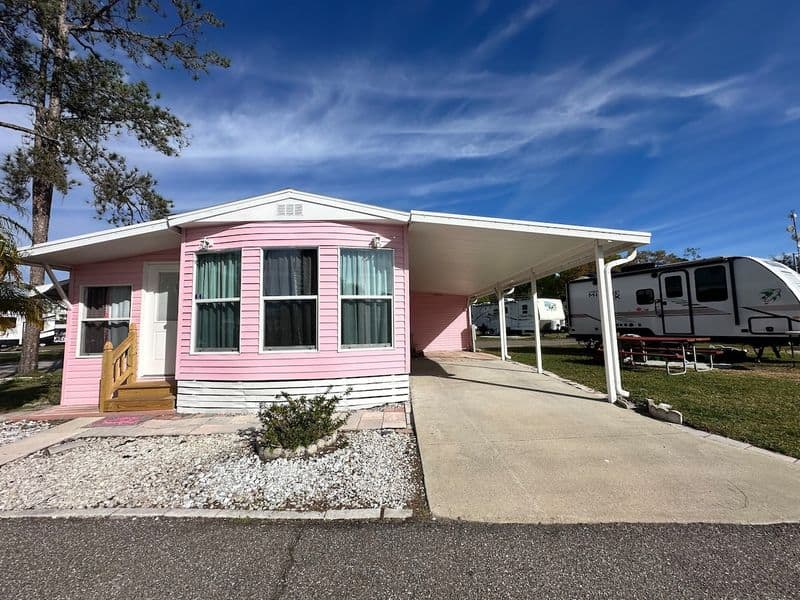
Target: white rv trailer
53 328
736 299
519 317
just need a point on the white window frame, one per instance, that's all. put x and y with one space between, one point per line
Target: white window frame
342 297
264 299
195 302
82 318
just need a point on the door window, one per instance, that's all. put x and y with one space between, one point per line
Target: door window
167 296
673 286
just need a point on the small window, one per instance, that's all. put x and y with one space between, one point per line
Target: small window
366 284
645 296
290 299
524 309
711 284
106 316
673 286
217 290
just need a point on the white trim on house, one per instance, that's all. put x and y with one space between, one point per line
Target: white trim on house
247 396
192 349
340 297
580 231
352 211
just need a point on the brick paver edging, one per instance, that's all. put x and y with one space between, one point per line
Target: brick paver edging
352 514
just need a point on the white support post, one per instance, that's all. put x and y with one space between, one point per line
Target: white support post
501 319
607 328
536 324
471 326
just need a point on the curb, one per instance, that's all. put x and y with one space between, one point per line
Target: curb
352 514
744 446
691 430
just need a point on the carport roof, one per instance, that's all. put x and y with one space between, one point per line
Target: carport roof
450 254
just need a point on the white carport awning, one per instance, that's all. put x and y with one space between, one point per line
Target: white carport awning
469 256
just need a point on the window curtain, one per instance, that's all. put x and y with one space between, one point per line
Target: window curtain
366 272
217 326
218 275
366 323
105 302
290 272
290 323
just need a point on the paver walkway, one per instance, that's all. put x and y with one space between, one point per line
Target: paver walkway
502 443
170 423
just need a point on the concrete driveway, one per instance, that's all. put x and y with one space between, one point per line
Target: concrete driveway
501 443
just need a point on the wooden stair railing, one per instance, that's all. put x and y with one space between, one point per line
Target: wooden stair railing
119 365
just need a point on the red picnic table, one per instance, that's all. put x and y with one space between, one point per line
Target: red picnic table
667 348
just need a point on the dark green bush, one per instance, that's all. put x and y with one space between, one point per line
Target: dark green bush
299 421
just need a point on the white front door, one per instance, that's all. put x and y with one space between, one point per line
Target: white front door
159 326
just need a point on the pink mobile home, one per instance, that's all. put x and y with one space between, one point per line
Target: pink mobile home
225 307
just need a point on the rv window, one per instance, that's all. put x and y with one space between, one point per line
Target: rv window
645 296
710 284
673 286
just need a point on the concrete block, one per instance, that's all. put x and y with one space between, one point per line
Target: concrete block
121 513
400 514
664 412
353 514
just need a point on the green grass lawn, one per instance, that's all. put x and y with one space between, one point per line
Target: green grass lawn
759 405
45 353
41 389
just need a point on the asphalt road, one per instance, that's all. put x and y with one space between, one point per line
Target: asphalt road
221 559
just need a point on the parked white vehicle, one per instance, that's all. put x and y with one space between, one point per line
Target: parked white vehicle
736 299
519 316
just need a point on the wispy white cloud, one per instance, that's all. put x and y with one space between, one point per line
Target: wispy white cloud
515 25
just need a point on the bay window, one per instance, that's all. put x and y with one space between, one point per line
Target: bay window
105 317
366 294
217 298
290 299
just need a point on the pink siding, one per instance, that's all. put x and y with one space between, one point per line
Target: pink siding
328 361
439 322
82 374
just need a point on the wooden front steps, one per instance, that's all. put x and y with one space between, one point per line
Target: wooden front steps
148 394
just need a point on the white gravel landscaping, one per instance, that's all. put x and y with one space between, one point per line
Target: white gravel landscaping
374 469
14 431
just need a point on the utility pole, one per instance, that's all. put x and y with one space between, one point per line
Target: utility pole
792 229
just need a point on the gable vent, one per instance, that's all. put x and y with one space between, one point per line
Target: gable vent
289 210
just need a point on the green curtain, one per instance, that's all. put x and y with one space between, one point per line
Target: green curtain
366 272
217 326
218 275
366 323
217 323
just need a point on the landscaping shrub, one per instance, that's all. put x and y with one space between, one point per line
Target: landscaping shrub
299 421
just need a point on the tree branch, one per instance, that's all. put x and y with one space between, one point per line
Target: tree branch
27 130
17 103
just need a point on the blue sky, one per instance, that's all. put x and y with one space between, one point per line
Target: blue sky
680 118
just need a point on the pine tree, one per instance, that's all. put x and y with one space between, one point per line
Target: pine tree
67 65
